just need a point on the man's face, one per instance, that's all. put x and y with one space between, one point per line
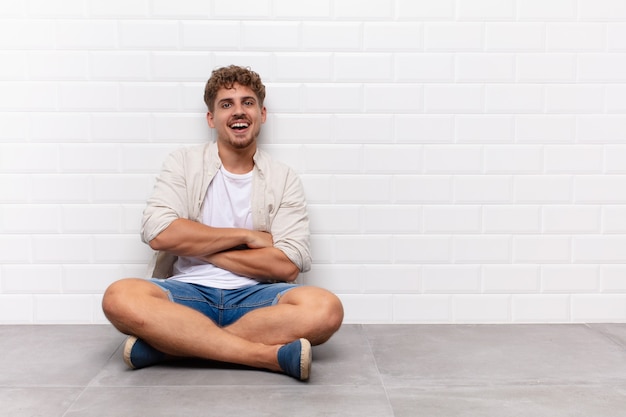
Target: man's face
237 116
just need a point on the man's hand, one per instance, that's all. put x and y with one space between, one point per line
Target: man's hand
258 240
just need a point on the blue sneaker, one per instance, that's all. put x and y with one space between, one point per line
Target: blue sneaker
138 354
295 359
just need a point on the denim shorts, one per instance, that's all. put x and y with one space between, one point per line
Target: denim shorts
224 307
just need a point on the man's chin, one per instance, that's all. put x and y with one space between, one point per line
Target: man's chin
240 143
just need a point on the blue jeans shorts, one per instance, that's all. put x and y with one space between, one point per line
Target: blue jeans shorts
224 307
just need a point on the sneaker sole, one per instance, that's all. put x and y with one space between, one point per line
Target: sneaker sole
128 347
306 358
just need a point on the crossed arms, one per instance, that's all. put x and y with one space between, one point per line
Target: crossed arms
258 259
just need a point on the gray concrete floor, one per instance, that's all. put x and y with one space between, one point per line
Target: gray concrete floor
365 370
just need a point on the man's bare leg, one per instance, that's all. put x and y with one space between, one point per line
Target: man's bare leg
303 312
140 308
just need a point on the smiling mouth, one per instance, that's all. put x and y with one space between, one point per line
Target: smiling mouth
239 125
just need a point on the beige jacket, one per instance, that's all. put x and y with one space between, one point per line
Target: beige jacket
278 202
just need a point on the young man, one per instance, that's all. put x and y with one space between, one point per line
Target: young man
235 226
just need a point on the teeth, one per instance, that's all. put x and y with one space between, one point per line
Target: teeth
239 125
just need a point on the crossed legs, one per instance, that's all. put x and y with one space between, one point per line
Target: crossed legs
142 309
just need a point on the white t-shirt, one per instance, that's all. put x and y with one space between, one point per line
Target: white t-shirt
227 204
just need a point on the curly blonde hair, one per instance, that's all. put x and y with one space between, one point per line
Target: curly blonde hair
226 77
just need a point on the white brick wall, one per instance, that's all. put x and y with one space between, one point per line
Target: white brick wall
464 160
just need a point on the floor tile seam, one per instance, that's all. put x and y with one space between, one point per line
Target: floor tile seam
50 386
607 383
108 359
378 373
371 353
71 405
206 386
610 337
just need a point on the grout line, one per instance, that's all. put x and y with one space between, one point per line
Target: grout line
380 378
90 383
71 405
596 328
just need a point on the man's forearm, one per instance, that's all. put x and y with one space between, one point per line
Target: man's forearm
188 238
265 264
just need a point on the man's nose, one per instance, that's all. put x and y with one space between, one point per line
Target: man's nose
238 109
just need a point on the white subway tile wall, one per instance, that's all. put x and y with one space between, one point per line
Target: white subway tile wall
464 160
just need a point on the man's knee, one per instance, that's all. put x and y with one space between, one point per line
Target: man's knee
113 300
324 312
331 311
121 299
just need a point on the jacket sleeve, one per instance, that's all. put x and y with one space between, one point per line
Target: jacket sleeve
290 225
168 201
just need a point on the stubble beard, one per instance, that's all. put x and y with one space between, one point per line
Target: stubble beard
242 143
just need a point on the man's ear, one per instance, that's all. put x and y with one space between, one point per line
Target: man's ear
209 119
263 114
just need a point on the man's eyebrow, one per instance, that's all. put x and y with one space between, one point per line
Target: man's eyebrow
232 99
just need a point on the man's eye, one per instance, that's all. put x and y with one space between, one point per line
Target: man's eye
226 105
248 103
